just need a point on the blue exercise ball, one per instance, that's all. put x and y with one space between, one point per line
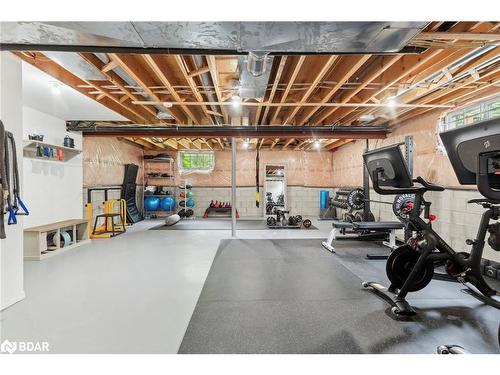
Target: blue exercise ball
152 203
190 203
167 203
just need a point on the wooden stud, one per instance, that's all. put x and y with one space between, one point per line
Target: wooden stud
277 78
138 74
295 72
312 87
197 72
154 63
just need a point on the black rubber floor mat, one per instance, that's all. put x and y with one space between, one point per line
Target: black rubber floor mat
292 296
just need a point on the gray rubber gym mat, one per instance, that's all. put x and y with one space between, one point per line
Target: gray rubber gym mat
292 296
220 224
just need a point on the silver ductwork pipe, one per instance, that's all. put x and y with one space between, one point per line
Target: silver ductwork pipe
256 63
457 64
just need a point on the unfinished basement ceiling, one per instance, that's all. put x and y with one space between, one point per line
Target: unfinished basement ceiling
218 37
458 62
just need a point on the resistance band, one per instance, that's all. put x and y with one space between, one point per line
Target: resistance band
11 188
257 192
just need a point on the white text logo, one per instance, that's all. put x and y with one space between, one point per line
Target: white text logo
24 346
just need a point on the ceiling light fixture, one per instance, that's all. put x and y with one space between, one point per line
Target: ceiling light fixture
317 144
56 89
391 102
236 101
367 117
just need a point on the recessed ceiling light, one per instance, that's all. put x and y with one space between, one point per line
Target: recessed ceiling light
56 89
367 117
391 102
164 116
236 101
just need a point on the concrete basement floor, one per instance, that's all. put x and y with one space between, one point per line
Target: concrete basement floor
131 294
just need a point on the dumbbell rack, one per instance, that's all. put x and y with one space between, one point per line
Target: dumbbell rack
185 183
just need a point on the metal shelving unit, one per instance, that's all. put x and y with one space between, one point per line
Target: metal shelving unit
164 166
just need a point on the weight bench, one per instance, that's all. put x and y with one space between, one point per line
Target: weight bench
371 229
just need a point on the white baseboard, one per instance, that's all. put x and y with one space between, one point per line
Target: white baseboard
13 300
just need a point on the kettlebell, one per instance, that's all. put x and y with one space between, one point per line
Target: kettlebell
69 142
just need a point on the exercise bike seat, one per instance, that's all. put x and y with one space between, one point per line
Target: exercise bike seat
378 225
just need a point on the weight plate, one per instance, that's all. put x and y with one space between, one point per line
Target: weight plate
356 199
399 265
348 217
271 221
399 205
307 223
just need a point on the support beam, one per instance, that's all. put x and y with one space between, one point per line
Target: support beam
263 131
233 187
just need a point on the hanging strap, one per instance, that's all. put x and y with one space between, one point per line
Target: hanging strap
3 181
14 202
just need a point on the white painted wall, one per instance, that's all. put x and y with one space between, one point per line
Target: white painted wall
53 189
46 94
11 248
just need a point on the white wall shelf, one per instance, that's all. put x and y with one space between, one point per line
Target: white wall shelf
30 151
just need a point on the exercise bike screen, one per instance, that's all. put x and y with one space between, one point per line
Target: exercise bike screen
464 145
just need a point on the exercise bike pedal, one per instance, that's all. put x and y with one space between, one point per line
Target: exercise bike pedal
403 308
398 308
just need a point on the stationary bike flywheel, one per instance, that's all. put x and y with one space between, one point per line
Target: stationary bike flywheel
399 265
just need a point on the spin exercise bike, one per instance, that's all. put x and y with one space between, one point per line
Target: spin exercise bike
474 152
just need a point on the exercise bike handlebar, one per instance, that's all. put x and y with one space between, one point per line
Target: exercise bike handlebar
423 186
482 179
